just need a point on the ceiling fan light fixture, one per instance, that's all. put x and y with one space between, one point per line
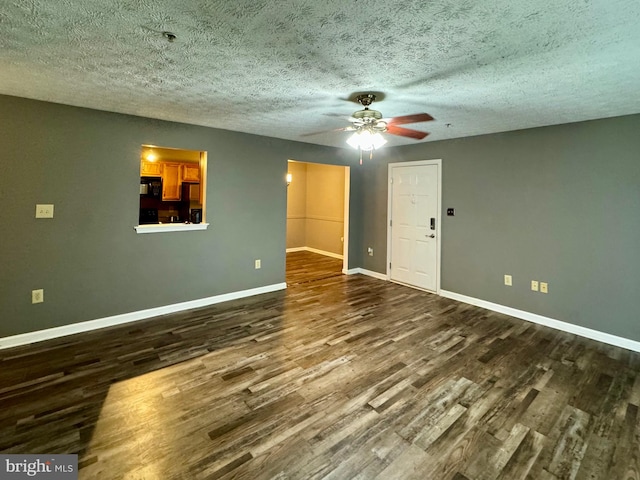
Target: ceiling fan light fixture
366 140
354 140
377 140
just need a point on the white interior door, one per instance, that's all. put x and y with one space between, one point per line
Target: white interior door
414 223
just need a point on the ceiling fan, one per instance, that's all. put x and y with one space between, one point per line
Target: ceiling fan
368 126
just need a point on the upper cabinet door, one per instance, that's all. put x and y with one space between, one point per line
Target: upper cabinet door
171 182
150 169
191 172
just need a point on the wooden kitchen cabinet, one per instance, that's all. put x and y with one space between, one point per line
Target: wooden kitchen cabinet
150 169
191 172
171 182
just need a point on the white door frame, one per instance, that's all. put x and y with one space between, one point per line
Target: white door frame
418 163
345 234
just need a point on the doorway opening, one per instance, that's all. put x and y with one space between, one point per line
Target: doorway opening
317 221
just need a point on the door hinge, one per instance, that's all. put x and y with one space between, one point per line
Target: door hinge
391 223
389 265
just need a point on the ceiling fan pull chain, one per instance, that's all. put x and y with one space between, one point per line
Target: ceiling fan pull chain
360 156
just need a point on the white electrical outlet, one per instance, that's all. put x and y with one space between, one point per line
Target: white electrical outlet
37 296
508 280
370 251
44 211
258 264
534 285
544 287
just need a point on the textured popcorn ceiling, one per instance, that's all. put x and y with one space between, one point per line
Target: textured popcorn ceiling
284 68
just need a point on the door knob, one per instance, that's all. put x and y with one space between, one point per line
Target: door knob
430 236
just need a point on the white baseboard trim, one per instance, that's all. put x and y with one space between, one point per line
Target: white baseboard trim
314 250
50 333
364 271
547 322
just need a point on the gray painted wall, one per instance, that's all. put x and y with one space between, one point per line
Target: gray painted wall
88 259
559 204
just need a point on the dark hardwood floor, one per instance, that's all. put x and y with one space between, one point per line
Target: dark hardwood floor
339 377
303 267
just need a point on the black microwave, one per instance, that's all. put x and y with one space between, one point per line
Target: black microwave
150 187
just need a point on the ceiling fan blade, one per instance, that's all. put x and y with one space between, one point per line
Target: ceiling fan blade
415 118
406 132
343 129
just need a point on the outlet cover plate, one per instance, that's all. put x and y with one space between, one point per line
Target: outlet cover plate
44 210
37 296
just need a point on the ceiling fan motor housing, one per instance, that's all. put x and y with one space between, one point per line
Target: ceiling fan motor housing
367 114
366 99
368 118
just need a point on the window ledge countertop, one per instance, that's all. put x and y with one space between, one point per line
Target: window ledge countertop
170 227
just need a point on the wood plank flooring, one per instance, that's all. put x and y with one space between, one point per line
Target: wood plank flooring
341 377
303 267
